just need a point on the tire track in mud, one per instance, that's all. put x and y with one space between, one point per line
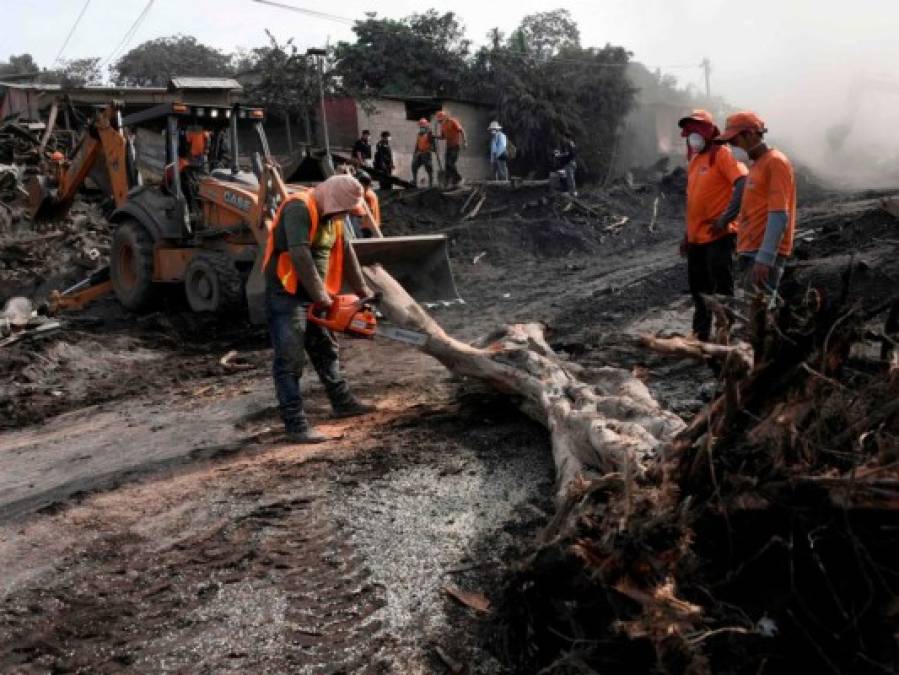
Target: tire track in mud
276 589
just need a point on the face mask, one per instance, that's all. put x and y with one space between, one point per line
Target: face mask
696 142
739 154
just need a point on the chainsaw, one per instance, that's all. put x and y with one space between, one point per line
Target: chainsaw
357 317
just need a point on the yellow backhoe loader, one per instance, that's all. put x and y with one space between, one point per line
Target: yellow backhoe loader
204 223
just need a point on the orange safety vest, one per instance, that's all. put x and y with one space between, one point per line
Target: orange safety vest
286 271
197 141
373 205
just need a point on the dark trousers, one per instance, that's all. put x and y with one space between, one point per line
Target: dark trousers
292 337
452 161
422 159
710 270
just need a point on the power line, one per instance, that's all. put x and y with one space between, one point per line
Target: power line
309 12
65 43
130 33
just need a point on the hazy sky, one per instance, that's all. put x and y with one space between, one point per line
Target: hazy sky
792 60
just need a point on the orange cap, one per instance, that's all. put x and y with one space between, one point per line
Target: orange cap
697 115
57 156
441 115
744 120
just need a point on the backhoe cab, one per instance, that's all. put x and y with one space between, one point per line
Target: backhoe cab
192 206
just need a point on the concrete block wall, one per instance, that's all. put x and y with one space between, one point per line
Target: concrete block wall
390 115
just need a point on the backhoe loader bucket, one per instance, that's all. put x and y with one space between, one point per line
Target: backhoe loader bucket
420 264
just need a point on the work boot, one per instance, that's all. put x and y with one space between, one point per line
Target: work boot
307 436
352 407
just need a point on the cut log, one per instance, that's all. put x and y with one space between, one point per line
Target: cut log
600 422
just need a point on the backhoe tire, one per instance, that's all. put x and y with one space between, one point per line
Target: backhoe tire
213 283
131 265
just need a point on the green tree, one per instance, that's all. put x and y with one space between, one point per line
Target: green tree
155 62
423 54
542 83
21 64
544 34
81 72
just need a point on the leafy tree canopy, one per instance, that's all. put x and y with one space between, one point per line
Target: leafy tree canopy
155 62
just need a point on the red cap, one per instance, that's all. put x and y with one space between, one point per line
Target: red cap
423 122
744 120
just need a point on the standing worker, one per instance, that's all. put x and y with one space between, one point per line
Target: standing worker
454 135
767 219
421 156
566 158
715 183
370 223
362 149
306 260
499 156
384 160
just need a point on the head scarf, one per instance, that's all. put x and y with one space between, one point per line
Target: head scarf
338 194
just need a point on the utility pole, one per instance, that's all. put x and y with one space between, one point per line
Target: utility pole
321 53
706 66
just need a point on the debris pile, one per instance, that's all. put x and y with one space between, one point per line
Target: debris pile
764 538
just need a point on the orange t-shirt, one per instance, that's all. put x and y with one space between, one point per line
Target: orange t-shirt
197 141
424 142
373 205
709 187
451 130
771 186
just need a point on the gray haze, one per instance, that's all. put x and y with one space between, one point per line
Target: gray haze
793 61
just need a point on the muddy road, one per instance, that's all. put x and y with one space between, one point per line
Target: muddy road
153 519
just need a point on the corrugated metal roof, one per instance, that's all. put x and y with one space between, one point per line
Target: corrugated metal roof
34 86
226 83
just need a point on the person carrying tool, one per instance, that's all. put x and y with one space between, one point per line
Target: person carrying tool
306 261
452 132
499 156
421 156
362 149
384 160
715 183
767 220
566 160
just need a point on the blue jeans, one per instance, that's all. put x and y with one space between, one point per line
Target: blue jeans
293 336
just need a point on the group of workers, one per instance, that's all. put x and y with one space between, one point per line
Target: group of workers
449 130
734 207
731 207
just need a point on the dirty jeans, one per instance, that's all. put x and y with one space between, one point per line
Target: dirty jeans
292 337
710 271
452 159
422 159
500 168
570 170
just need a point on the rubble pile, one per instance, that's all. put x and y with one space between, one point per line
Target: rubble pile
532 217
764 539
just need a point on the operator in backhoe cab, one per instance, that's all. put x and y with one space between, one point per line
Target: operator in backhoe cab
306 261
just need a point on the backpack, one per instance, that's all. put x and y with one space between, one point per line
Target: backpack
511 150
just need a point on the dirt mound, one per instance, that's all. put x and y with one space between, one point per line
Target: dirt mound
536 221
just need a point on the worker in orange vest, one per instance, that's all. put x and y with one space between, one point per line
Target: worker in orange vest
371 221
307 259
767 221
424 146
452 132
715 183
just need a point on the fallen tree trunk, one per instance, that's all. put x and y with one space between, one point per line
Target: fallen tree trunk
603 421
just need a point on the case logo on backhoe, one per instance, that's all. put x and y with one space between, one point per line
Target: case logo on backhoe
237 201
